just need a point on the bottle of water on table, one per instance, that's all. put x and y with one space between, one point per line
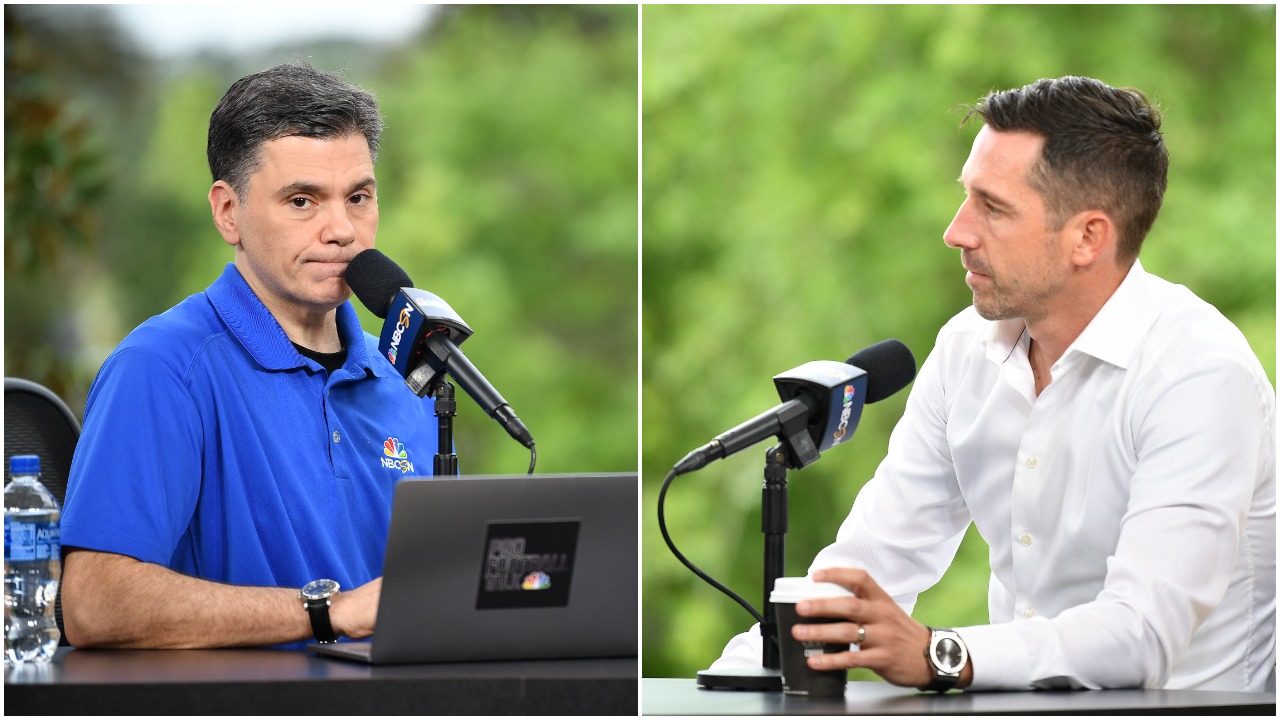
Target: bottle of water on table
32 564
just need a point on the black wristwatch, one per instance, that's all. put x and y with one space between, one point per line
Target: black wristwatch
947 656
316 597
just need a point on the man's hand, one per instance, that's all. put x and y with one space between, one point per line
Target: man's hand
893 645
354 613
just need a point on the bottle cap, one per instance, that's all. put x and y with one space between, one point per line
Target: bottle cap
24 465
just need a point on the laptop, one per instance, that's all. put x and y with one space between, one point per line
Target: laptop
495 567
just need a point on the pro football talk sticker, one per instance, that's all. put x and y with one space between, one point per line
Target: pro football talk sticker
527 564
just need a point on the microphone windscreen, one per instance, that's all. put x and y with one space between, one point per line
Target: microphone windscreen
375 279
890 367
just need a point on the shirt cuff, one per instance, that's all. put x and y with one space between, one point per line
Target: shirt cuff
999 655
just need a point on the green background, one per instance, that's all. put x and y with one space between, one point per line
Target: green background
507 185
799 168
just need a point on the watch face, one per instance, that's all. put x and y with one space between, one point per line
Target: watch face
948 654
319 589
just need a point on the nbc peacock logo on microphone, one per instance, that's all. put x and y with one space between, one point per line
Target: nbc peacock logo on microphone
402 324
845 413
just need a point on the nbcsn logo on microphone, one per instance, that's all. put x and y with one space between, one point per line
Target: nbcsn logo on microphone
845 413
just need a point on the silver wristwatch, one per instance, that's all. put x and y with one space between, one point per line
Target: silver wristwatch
947 656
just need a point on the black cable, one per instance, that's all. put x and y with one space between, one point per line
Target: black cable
662 525
533 458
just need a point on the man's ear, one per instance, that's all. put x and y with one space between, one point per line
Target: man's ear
1093 235
223 201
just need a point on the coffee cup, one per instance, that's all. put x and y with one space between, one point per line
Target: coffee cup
797 677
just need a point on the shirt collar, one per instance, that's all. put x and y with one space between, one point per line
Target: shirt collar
262 337
1113 335
1116 332
358 361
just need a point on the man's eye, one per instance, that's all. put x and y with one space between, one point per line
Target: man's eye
360 199
300 202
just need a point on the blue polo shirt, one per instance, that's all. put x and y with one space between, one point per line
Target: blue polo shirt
212 447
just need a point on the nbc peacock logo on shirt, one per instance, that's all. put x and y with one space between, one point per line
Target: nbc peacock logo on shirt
395 456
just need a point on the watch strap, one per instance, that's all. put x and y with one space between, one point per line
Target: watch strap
318 610
942 683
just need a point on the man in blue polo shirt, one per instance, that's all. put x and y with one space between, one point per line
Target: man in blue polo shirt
247 442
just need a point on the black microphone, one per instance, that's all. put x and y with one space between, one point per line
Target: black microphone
420 328
821 404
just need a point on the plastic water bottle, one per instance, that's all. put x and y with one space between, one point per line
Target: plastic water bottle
32 564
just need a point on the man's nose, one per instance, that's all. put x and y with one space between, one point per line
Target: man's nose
338 227
959 234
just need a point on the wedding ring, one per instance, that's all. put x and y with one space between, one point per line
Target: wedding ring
862 634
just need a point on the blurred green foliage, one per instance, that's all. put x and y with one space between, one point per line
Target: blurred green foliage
799 168
55 182
507 185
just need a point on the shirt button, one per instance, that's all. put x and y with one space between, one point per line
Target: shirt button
1026 538
1032 462
336 436
1030 612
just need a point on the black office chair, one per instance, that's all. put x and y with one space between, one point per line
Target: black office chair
37 422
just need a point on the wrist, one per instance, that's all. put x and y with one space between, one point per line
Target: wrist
339 615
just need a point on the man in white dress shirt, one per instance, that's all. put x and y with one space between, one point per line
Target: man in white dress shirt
1111 435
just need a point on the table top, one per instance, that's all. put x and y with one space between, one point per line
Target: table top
265 681
664 696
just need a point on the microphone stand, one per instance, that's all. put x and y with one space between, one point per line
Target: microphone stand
424 381
446 461
773 523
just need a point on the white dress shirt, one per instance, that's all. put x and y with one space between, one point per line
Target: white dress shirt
1130 508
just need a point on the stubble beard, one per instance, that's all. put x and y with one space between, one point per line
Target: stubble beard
1017 301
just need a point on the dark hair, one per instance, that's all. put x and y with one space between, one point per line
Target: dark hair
1102 150
282 101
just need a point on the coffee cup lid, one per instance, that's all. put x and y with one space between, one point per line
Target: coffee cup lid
795 589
